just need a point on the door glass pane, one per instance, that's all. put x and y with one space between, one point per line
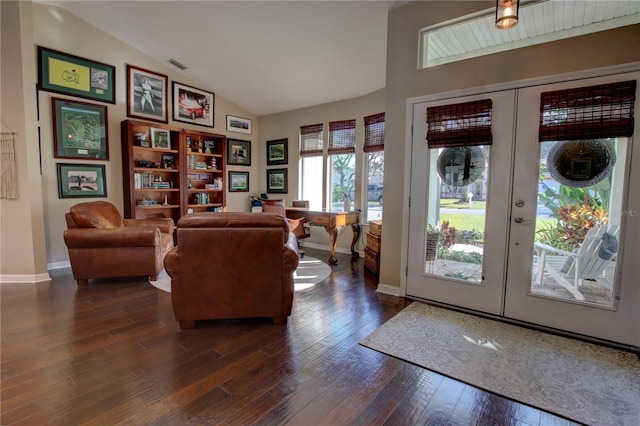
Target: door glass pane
580 202
456 213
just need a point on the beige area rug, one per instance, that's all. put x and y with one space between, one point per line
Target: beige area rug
310 272
581 381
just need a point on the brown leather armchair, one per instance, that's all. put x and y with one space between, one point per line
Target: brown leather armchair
104 245
232 265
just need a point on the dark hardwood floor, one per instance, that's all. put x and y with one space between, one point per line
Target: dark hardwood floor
112 353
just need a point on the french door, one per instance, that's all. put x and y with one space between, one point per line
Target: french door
519 223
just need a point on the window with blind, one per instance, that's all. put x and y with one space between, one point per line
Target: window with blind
342 164
342 172
374 152
311 160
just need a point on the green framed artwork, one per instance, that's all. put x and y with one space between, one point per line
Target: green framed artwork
277 152
80 130
238 181
277 181
81 181
60 72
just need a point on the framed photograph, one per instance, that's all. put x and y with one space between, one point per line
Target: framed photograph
238 124
60 72
81 181
277 181
160 138
147 94
80 130
193 105
238 181
238 152
277 152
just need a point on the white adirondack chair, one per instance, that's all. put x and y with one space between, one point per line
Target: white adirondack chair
587 263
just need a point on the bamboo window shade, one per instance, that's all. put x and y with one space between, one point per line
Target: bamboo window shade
311 140
456 125
374 133
342 137
601 111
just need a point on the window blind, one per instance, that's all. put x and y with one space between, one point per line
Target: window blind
374 133
463 124
311 140
342 137
601 111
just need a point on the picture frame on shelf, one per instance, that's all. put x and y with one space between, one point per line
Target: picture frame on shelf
194 106
80 130
60 72
277 181
168 161
160 138
81 180
277 152
238 152
238 181
147 94
238 124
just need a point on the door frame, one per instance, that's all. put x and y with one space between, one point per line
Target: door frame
632 246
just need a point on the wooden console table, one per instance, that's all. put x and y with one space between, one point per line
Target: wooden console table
334 223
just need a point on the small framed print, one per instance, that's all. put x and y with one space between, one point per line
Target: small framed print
80 130
238 124
81 181
238 152
160 138
238 181
191 105
277 181
277 152
147 94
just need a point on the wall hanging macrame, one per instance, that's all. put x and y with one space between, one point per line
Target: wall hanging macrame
8 173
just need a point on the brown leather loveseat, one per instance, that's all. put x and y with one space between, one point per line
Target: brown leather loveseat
232 265
104 245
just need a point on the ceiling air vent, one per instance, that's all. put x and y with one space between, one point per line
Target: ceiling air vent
177 64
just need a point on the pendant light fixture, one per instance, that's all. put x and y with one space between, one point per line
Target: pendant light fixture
506 14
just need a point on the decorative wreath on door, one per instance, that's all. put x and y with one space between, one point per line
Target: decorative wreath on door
460 166
582 163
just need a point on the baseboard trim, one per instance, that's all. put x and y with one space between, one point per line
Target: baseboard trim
390 290
326 248
24 278
59 265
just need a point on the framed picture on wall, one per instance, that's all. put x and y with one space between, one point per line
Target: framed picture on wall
81 181
80 130
192 105
277 181
238 152
147 94
238 124
238 181
60 72
277 152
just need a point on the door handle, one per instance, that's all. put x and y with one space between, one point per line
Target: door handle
521 220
